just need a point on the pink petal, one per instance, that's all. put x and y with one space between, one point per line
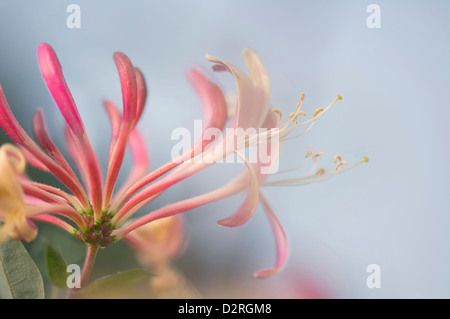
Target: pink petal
59 209
9 123
141 93
55 221
128 83
256 70
127 76
41 134
34 193
53 76
235 186
74 153
137 146
141 161
246 210
253 93
213 101
115 118
267 165
280 242
33 160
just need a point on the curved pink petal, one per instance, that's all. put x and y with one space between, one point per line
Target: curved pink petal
215 116
127 77
235 186
54 221
213 101
256 70
248 207
53 76
37 194
137 145
52 73
115 118
253 93
33 160
141 161
41 134
280 242
76 156
9 123
59 209
181 206
141 93
269 148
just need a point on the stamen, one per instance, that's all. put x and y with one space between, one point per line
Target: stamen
300 100
320 171
291 115
315 156
280 115
308 154
339 165
316 112
337 157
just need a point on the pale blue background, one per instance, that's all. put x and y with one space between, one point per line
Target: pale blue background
393 212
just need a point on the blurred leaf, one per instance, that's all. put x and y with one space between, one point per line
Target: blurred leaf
57 267
114 286
19 276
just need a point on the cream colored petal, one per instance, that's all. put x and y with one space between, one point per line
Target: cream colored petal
12 163
256 70
253 93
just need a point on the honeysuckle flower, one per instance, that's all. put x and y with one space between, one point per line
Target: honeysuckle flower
16 209
157 243
12 198
98 214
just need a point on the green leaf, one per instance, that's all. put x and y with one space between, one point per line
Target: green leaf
57 267
19 276
114 286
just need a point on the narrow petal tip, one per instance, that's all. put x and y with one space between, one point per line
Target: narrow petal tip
52 73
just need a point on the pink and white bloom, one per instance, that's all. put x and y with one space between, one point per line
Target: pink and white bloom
99 213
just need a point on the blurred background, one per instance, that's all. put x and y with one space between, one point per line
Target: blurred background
393 211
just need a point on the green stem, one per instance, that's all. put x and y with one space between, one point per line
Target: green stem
91 253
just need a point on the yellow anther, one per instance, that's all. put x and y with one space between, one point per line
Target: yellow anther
337 157
314 157
291 115
366 159
301 113
300 100
339 97
316 112
320 171
339 165
278 112
308 154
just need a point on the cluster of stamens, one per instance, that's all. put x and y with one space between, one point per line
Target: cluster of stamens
315 174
